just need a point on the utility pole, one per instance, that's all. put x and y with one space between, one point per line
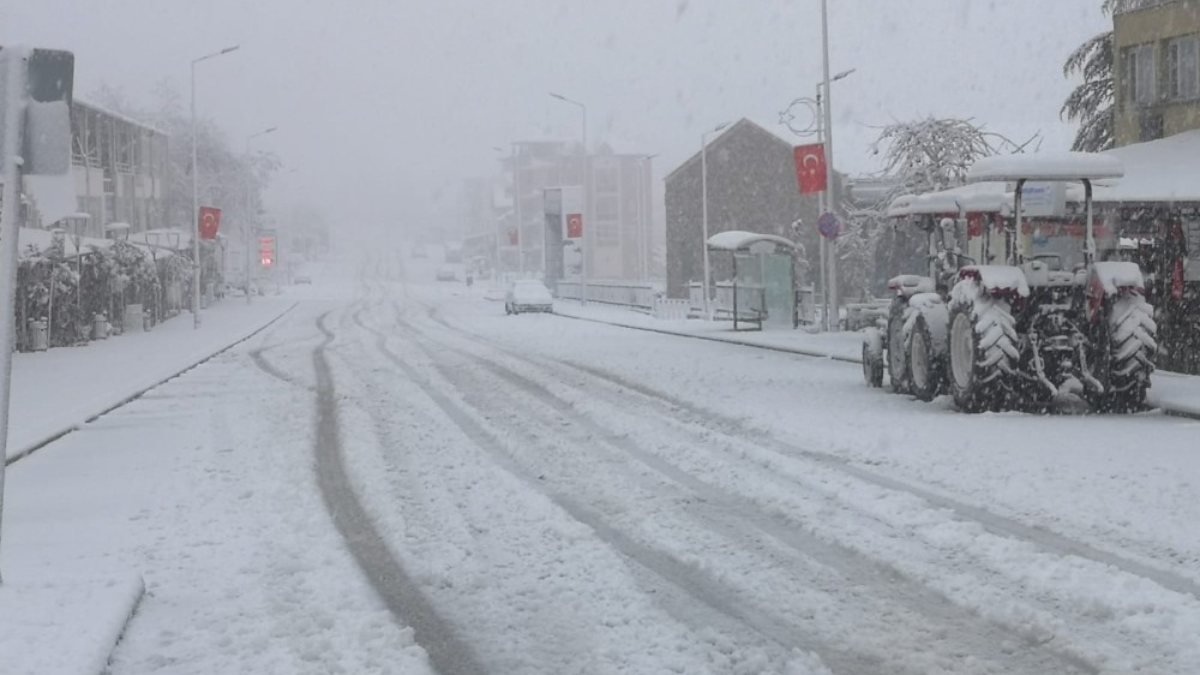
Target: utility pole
829 172
195 225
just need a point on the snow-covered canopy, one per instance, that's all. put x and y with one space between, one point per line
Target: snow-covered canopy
1164 170
1062 166
987 197
740 240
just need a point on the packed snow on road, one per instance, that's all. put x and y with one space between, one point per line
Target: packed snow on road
395 476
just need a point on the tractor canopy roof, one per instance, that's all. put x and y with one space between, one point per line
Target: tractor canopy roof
988 197
1062 166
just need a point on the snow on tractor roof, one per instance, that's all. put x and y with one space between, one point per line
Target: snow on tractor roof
1063 166
740 240
987 197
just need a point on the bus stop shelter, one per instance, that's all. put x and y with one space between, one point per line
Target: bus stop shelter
762 287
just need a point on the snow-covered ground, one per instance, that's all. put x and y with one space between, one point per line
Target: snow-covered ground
203 488
63 387
397 477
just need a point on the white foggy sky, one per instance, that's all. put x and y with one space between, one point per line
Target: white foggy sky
382 104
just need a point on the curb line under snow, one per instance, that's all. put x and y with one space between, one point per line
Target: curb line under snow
1174 412
47 440
133 600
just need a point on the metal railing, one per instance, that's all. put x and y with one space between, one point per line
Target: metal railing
638 295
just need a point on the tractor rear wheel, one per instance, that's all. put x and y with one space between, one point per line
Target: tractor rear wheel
983 349
1124 353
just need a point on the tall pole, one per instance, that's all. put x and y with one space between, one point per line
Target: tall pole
195 215
704 214
13 111
517 213
195 226
823 252
704 218
829 173
587 195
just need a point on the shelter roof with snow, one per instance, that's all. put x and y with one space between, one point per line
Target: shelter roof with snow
740 240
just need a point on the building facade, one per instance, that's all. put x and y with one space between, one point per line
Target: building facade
617 209
751 186
1156 51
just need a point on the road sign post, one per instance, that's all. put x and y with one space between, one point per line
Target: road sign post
35 84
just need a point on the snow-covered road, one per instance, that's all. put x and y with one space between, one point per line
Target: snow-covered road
535 494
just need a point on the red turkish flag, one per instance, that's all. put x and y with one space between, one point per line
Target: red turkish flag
210 222
574 226
810 168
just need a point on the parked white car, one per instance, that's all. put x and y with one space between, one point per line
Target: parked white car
528 295
446 274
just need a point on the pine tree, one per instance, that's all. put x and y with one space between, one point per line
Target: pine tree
1091 103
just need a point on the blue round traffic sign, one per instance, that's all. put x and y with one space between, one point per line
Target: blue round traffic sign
829 226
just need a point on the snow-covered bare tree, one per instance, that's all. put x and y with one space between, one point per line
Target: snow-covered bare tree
227 178
919 156
935 153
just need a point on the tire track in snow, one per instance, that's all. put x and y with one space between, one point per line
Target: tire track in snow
859 569
731 515
448 654
991 522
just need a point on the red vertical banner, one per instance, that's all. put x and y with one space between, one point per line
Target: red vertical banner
266 251
210 222
574 226
810 168
513 237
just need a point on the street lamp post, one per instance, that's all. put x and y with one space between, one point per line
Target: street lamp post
195 226
704 212
583 176
246 217
822 136
827 125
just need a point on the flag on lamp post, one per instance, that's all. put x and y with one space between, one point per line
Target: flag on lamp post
810 168
210 222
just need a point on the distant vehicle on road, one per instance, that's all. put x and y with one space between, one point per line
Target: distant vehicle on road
528 295
303 279
446 274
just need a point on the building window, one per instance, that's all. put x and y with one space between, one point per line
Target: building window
1140 71
1183 68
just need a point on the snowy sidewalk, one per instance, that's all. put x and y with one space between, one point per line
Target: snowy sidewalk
1172 392
58 390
